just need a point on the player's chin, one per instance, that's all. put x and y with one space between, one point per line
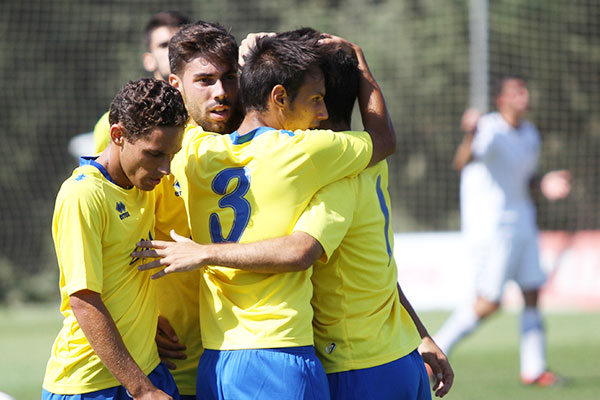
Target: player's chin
215 126
149 184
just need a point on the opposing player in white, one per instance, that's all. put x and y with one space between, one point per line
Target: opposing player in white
498 221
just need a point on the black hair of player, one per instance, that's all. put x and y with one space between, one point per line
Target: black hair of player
202 39
169 19
275 61
145 104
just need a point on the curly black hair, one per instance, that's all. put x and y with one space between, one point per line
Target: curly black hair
145 104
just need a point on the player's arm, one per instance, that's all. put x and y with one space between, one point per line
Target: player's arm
294 252
468 125
375 116
431 353
100 330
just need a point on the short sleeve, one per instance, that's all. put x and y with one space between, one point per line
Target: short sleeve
483 141
329 214
77 231
336 155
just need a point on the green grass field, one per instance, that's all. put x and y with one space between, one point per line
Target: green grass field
486 363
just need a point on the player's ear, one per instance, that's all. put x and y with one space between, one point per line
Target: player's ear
116 134
175 81
279 96
150 63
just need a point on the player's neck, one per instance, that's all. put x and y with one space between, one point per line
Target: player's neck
511 118
109 159
255 119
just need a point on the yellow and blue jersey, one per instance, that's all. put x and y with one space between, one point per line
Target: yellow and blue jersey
358 319
101 133
253 187
178 293
95 227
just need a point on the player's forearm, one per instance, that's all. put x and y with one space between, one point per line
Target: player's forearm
295 252
101 332
413 314
463 153
375 116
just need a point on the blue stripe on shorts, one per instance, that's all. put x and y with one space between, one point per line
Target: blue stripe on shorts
290 373
160 377
404 378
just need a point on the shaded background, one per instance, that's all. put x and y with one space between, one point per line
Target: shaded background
62 61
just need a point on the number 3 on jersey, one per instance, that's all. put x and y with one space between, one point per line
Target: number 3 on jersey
234 200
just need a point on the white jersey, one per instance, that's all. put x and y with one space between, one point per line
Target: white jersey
505 160
473 202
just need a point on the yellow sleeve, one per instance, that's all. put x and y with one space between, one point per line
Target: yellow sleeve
77 231
329 215
336 155
101 134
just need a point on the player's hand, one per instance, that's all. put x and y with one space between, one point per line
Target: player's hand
556 185
155 394
442 374
179 256
332 40
468 122
248 44
168 343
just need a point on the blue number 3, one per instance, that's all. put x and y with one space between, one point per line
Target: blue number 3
235 200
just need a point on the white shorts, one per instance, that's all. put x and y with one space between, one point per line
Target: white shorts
507 256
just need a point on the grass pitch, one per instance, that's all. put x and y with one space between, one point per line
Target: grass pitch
486 363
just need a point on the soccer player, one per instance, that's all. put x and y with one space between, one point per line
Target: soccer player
208 84
366 331
157 33
498 218
348 343
252 185
106 348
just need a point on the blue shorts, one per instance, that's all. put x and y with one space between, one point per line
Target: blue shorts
160 377
290 373
405 378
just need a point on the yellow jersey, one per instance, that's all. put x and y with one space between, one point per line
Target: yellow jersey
101 133
358 319
95 228
253 187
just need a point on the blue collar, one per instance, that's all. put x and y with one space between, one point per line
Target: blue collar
236 138
92 161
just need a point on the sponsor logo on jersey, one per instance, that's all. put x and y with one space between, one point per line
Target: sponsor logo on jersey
123 213
177 188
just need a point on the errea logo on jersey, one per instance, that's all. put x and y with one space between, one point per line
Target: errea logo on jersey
177 188
80 177
123 213
330 348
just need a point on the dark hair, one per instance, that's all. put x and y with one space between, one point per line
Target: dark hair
171 19
206 39
271 62
498 84
304 34
342 80
341 75
145 104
